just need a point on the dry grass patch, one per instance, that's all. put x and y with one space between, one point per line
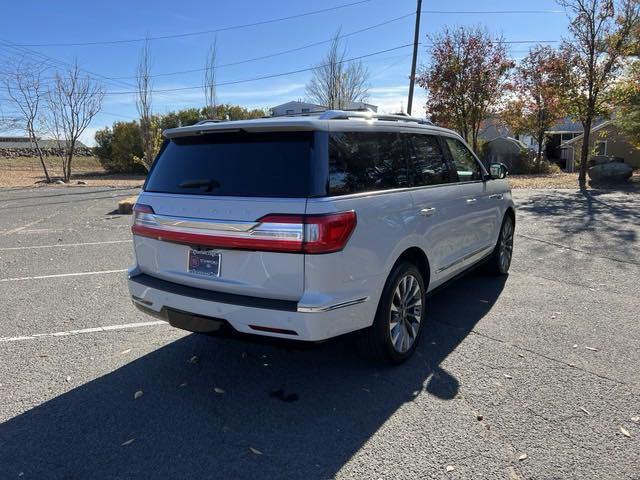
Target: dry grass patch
562 180
27 171
551 180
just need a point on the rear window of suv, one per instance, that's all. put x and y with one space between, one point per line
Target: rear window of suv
235 163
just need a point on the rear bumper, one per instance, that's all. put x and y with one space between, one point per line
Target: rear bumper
202 310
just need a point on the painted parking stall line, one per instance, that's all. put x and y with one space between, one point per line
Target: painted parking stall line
84 331
61 275
63 245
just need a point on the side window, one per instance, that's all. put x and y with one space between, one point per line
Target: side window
366 161
465 163
427 165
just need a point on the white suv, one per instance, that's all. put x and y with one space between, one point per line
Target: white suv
310 227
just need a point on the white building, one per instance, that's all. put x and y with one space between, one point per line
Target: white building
299 107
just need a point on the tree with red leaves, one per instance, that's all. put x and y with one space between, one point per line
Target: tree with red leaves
537 101
465 80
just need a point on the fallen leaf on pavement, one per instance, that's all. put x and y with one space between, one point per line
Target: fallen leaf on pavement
128 442
137 395
625 432
523 457
218 390
255 451
450 468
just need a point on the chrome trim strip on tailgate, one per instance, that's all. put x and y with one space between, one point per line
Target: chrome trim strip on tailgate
203 224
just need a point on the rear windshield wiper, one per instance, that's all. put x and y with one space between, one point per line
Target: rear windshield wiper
208 183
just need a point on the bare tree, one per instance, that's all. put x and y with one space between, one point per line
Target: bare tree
25 91
144 102
602 37
335 82
73 102
209 80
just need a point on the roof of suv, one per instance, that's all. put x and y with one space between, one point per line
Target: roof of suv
329 120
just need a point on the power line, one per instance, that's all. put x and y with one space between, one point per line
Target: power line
203 32
264 77
506 12
276 54
4 44
276 20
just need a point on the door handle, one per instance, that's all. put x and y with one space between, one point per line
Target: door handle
471 201
427 212
496 196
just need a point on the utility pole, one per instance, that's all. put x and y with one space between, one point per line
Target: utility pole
412 78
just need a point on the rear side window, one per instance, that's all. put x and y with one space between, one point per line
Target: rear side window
366 161
466 165
235 163
428 165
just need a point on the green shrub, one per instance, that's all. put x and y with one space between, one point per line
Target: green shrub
117 148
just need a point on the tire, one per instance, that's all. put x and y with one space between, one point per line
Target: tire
382 341
500 260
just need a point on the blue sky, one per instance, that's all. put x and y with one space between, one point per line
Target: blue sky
79 22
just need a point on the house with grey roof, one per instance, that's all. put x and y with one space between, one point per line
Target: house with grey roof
298 107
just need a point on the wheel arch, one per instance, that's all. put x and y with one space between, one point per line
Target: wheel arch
512 213
419 258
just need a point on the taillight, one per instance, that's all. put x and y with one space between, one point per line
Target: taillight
312 234
322 233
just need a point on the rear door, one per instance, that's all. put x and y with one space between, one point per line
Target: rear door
209 196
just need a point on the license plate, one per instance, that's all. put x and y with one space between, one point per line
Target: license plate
204 262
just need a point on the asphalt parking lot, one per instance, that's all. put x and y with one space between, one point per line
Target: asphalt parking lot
532 376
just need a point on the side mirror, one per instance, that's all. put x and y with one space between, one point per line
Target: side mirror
498 171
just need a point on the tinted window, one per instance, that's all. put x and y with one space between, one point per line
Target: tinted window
361 162
466 164
242 164
428 165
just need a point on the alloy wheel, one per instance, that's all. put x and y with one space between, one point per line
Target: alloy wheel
405 313
506 244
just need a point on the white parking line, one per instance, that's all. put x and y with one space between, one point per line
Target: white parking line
64 245
58 275
108 328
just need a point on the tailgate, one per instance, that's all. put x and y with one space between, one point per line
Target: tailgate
205 197
184 224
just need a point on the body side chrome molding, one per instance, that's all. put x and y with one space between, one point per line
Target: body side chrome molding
460 260
328 308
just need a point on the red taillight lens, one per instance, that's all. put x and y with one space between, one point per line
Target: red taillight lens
142 208
312 234
322 233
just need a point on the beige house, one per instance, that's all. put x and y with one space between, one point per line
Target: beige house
605 139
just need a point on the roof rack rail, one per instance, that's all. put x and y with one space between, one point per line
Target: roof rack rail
346 115
211 120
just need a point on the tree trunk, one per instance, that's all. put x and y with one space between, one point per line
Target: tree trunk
34 140
540 139
584 155
44 166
